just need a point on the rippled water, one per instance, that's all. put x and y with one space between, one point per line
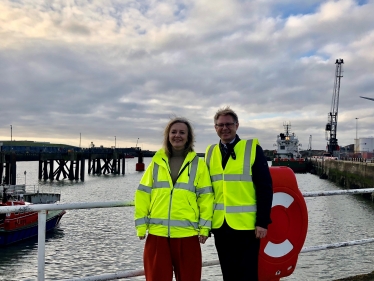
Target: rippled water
99 241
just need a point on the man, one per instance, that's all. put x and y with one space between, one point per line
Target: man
243 197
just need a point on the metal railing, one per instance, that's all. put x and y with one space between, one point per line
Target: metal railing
14 190
42 208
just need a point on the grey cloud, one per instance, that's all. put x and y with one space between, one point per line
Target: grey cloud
128 85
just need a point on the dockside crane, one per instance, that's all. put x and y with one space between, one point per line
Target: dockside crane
332 121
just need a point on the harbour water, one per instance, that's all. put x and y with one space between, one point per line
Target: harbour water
98 241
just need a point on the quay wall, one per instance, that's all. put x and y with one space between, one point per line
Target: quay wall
347 174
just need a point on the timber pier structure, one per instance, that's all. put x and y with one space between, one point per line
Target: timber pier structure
62 161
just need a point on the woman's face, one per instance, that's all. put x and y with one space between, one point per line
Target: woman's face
178 135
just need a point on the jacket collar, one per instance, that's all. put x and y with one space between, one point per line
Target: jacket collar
223 147
161 158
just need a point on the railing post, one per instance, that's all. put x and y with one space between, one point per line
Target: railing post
42 219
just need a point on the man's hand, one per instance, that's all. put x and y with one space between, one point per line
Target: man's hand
202 239
260 232
142 237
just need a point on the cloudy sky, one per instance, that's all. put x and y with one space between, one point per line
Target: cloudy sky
107 71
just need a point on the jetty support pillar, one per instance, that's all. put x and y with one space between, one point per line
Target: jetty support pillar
2 162
139 167
82 159
10 175
123 163
106 162
67 165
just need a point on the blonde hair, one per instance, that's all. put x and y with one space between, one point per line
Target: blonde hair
190 136
226 111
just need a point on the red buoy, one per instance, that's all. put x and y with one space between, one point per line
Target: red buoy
139 167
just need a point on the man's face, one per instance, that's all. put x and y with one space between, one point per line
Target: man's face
226 128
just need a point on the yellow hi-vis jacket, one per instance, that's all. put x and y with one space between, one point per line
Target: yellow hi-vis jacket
235 196
182 210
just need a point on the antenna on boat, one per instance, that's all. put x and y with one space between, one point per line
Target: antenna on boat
287 130
287 127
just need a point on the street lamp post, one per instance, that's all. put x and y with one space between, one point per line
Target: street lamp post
115 141
356 142
11 137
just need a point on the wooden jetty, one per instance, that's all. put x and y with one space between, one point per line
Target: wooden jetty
63 161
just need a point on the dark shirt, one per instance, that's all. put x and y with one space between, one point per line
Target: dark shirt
261 179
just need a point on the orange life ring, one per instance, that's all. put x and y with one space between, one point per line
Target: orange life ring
280 249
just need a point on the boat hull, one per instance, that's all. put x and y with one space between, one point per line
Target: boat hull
297 165
8 237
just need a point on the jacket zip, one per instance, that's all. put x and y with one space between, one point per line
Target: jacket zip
172 189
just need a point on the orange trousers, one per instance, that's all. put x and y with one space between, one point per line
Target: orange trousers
163 256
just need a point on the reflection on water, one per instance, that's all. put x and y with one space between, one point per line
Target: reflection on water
99 241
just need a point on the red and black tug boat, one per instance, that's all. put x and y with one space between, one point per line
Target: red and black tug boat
18 226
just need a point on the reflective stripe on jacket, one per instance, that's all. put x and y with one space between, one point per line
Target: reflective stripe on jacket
182 210
234 191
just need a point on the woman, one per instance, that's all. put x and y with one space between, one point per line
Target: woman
174 204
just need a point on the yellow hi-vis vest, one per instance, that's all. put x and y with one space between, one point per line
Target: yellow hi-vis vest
234 192
182 210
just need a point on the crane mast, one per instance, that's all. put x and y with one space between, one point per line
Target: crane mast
310 143
332 120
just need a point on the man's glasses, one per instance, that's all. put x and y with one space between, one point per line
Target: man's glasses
228 125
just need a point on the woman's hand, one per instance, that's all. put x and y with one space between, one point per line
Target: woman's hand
202 239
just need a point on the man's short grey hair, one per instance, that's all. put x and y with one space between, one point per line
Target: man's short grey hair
226 111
